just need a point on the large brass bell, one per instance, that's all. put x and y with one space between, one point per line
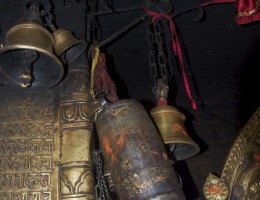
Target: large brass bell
170 123
27 59
66 45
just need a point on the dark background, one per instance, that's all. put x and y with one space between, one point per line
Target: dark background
221 58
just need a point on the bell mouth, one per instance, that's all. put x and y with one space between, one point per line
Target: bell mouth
47 70
170 123
66 45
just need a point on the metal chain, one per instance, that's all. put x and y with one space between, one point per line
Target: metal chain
161 58
160 61
151 54
169 51
101 189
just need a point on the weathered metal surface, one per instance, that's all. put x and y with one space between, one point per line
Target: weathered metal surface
76 173
170 122
45 142
29 145
242 168
135 154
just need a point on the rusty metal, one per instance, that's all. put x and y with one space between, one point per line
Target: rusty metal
44 67
170 123
135 154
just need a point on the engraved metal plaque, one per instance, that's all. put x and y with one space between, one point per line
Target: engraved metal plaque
45 142
28 145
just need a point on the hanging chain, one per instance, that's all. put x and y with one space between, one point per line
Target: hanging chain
101 189
151 54
160 59
158 31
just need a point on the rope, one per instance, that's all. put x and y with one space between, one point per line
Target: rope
93 67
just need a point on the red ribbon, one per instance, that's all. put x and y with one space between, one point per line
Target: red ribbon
177 50
217 1
176 43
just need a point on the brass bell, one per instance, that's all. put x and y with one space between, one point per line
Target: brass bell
27 58
170 123
66 45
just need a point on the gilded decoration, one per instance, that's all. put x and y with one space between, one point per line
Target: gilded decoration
241 173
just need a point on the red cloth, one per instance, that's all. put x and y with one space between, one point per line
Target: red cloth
102 80
247 11
216 1
177 50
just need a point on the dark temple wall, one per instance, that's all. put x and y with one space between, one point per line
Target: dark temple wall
223 59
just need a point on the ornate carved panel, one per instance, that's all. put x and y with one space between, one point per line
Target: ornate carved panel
241 171
240 179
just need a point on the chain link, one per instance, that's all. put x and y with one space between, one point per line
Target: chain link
151 54
161 58
101 189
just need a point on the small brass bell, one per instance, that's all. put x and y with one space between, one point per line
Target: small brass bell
65 44
27 58
170 123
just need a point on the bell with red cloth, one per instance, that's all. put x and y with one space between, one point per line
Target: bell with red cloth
170 122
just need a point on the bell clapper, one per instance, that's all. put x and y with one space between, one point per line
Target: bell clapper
30 56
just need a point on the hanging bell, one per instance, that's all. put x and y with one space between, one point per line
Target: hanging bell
27 59
170 123
66 45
